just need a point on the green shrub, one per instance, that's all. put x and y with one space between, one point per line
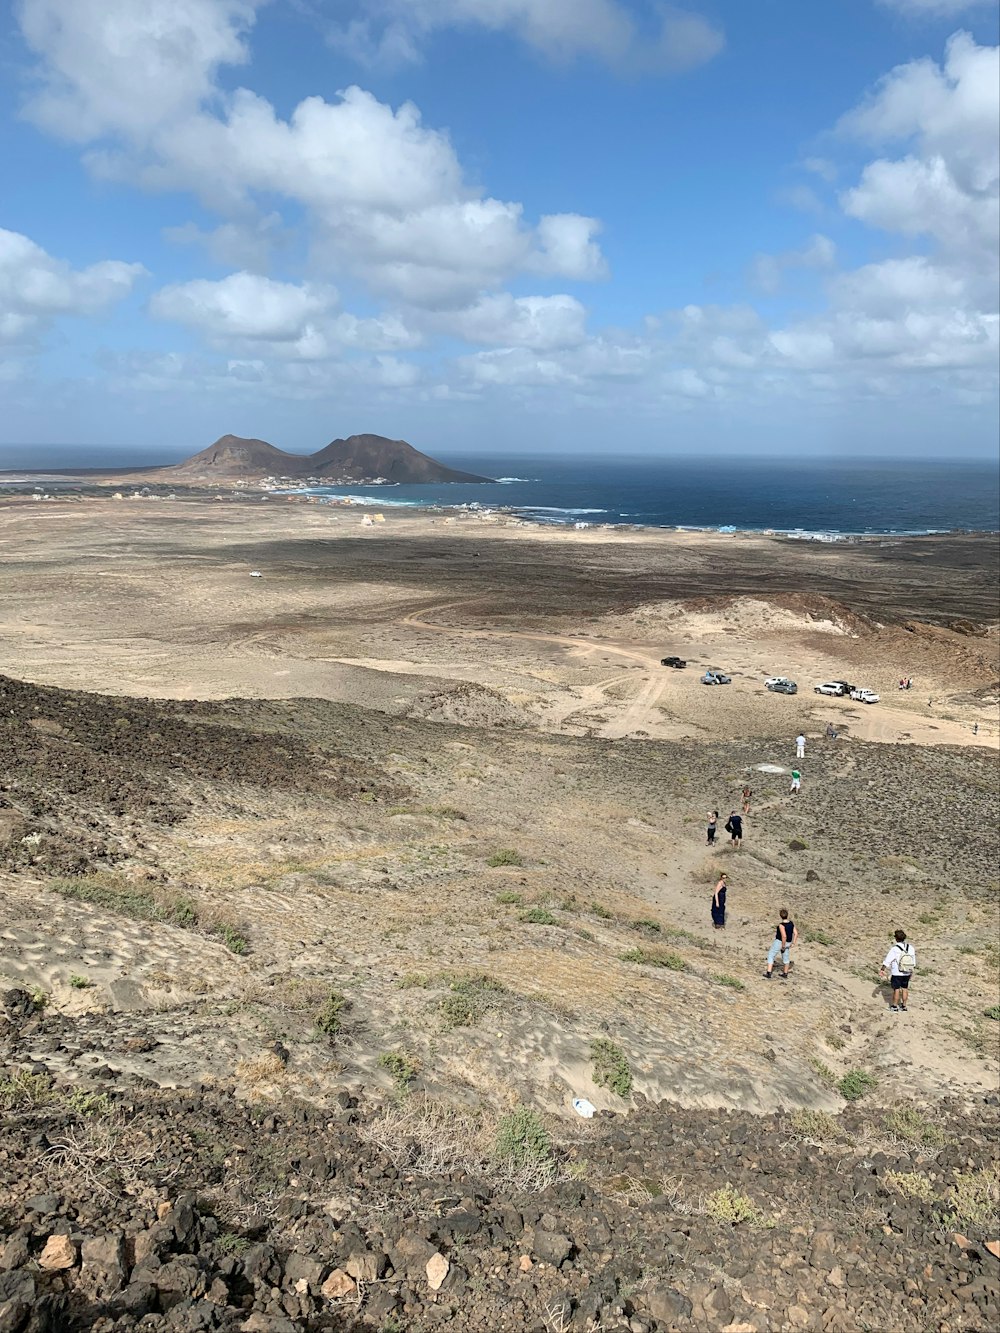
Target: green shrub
724 979
600 910
330 1018
80 983
19 1089
992 1012
234 940
910 1125
400 1067
647 923
510 898
611 1067
469 998
815 1125
88 1103
655 958
521 1138
856 1084
909 1184
728 1205
823 1072
538 916
975 1199
505 857
817 937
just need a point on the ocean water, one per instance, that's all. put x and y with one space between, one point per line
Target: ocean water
812 498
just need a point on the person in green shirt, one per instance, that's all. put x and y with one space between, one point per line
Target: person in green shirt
796 781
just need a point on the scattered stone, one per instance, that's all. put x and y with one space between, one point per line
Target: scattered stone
59 1253
437 1271
338 1285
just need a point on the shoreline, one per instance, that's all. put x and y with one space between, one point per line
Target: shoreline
73 485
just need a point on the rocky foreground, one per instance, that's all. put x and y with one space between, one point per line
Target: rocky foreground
125 1206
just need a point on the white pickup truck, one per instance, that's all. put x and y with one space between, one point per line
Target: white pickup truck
864 696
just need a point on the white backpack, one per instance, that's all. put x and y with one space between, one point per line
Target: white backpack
906 961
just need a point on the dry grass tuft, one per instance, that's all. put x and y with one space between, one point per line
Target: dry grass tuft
260 1069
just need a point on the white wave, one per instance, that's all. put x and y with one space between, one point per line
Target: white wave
558 509
505 481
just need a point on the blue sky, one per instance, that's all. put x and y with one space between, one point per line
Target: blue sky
608 226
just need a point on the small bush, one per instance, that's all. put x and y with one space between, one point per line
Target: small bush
611 1067
992 1012
816 1125
234 940
655 958
445 812
538 916
856 1084
823 1072
510 898
19 1090
232 1243
975 1199
728 1205
521 1138
505 857
88 1103
647 923
724 979
817 937
80 983
329 1018
909 1184
601 911
468 999
909 1125
400 1067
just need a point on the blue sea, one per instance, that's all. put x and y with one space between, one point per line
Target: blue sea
813 498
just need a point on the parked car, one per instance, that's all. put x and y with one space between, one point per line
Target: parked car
783 686
834 687
716 678
676 662
771 681
864 696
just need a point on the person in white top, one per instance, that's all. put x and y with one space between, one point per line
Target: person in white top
899 965
800 747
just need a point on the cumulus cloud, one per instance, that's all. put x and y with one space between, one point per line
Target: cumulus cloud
384 194
35 288
767 271
244 305
539 322
670 39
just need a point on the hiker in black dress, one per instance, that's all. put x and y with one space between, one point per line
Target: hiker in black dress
719 904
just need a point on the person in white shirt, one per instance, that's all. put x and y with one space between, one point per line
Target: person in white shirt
899 965
800 747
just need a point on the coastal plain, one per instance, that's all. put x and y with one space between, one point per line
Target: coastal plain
430 770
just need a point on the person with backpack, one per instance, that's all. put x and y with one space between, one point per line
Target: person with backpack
785 935
899 965
734 827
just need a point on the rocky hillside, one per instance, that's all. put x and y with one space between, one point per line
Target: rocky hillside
361 458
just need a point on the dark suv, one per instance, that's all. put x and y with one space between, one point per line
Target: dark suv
783 686
676 662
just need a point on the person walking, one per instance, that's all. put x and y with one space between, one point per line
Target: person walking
785 935
734 827
719 903
899 965
747 794
796 782
713 822
800 746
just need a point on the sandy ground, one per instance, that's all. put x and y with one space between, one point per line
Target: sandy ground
509 680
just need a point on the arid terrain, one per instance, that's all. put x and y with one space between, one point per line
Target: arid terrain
323 893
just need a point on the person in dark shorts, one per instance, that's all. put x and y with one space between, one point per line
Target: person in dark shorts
734 827
899 965
719 903
713 823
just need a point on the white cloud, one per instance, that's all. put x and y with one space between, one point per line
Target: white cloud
392 32
245 245
539 322
385 195
244 305
767 271
35 288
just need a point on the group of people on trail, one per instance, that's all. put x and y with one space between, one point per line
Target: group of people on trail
897 967
899 963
